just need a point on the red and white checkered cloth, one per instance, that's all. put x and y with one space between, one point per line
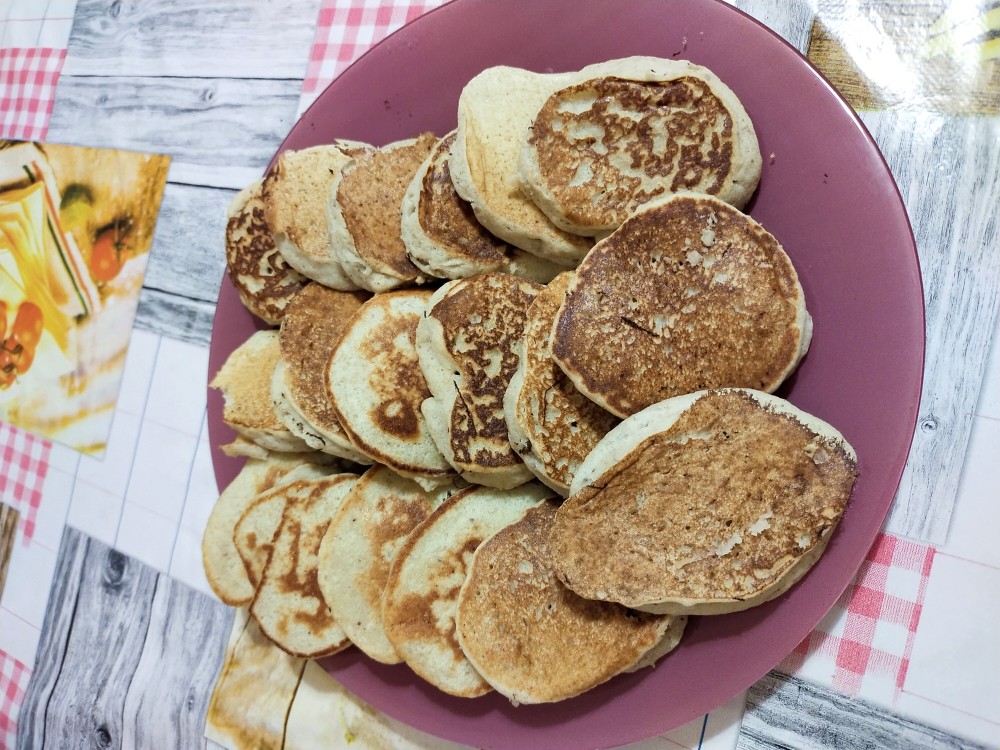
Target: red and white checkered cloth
863 646
24 462
346 29
28 78
14 678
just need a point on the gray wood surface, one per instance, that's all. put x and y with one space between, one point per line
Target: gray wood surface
172 315
790 19
784 712
127 657
933 156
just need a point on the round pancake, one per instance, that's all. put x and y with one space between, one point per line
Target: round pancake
421 595
375 383
630 130
263 278
358 549
468 344
531 638
364 213
551 425
716 501
687 294
314 322
245 382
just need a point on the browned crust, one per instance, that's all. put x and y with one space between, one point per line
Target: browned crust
371 195
678 134
658 525
448 220
654 312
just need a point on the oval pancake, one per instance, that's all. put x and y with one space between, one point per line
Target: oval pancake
421 595
468 343
263 278
364 213
551 425
627 131
717 501
375 383
314 322
517 623
687 294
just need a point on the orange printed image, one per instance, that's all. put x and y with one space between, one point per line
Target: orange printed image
76 226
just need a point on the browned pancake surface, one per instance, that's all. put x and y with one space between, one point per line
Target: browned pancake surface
449 220
718 506
608 145
687 295
370 195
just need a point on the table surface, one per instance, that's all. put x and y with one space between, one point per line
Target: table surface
908 655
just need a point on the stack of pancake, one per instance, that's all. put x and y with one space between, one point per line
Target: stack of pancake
519 400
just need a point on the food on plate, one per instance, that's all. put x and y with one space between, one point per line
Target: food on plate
551 425
295 193
495 111
688 293
245 382
363 213
421 595
443 237
376 385
626 131
531 638
717 501
468 348
261 275
358 549
312 325
222 562
288 604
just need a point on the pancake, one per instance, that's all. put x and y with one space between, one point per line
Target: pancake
263 278
468 344
531 638
364 214
495 111
687 294
245 382
421 595
288 605
374 381
717 501
627 131
357 551
314 322
295 194
551 425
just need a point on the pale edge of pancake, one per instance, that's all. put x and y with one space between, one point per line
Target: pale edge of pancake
627 436
312 435
744 173
344 248
549 244
436 364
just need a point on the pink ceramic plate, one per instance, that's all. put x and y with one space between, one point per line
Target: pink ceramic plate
828 197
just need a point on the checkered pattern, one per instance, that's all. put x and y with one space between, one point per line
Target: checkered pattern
24 462
14 678
866 640
28 80
346 29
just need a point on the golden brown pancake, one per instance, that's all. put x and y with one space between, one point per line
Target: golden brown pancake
533 639
705 503
314 322
631 130
468 344
687 294
551 425
263 278
376 385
